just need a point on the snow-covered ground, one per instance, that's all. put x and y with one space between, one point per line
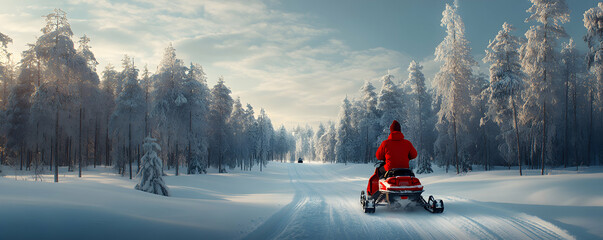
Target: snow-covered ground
300 201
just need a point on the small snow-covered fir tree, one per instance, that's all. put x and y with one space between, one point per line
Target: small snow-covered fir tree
150 173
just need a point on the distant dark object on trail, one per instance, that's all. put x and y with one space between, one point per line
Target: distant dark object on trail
300 160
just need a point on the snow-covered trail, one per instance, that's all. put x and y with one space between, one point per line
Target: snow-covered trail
326 206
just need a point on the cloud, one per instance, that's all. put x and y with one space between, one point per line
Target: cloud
275 60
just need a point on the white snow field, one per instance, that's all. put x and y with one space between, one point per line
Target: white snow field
300 201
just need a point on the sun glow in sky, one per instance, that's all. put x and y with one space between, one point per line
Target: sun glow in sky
297 59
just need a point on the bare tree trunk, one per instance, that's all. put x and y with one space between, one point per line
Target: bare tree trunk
543 136
138 158
96 153
107 147
177 159
456 161
51 153
130 148
590 129
516 135
189 158
575 124
80 147
565 149
21 157
56 148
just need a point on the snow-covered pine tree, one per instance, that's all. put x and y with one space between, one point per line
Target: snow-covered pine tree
238 124
265 134
572 72
593 18
220 109
126 118
195 116
5 77
345 137
282 144
594 58
56 51
452 88
251 134
106 106
317 143
506 81
151 171
17 114
169 106
369 127
146 84
390 106
419 115
540 63
327 144
85 52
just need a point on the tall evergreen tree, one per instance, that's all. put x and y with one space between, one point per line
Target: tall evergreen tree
452 88
540 64
594 58
345 137
506 81
369 127
419 115
220 110
390 106
125 121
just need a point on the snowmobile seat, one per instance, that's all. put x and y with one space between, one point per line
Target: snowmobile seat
396 172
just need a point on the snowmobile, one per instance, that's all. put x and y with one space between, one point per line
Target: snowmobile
397 188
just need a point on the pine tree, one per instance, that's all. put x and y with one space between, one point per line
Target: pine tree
368 119
592 22
345 137
151 171
390 106
505 89
4 69
194 114
540 64
573 68
452 87
127 116
170 104
419 113
220 110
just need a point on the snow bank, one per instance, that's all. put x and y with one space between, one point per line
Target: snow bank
103 205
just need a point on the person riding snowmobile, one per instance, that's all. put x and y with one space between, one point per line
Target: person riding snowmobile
395 151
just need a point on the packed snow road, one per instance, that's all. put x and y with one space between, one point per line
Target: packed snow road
326 206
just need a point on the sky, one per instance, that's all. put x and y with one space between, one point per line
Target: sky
297 59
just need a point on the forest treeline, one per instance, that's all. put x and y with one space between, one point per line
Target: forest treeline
56 111
540 105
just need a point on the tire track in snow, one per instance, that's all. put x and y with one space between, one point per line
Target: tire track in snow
326 206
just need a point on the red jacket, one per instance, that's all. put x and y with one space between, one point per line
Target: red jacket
396 151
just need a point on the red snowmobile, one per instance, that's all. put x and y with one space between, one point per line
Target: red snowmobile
397 188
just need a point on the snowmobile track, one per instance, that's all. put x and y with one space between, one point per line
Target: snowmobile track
325 206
